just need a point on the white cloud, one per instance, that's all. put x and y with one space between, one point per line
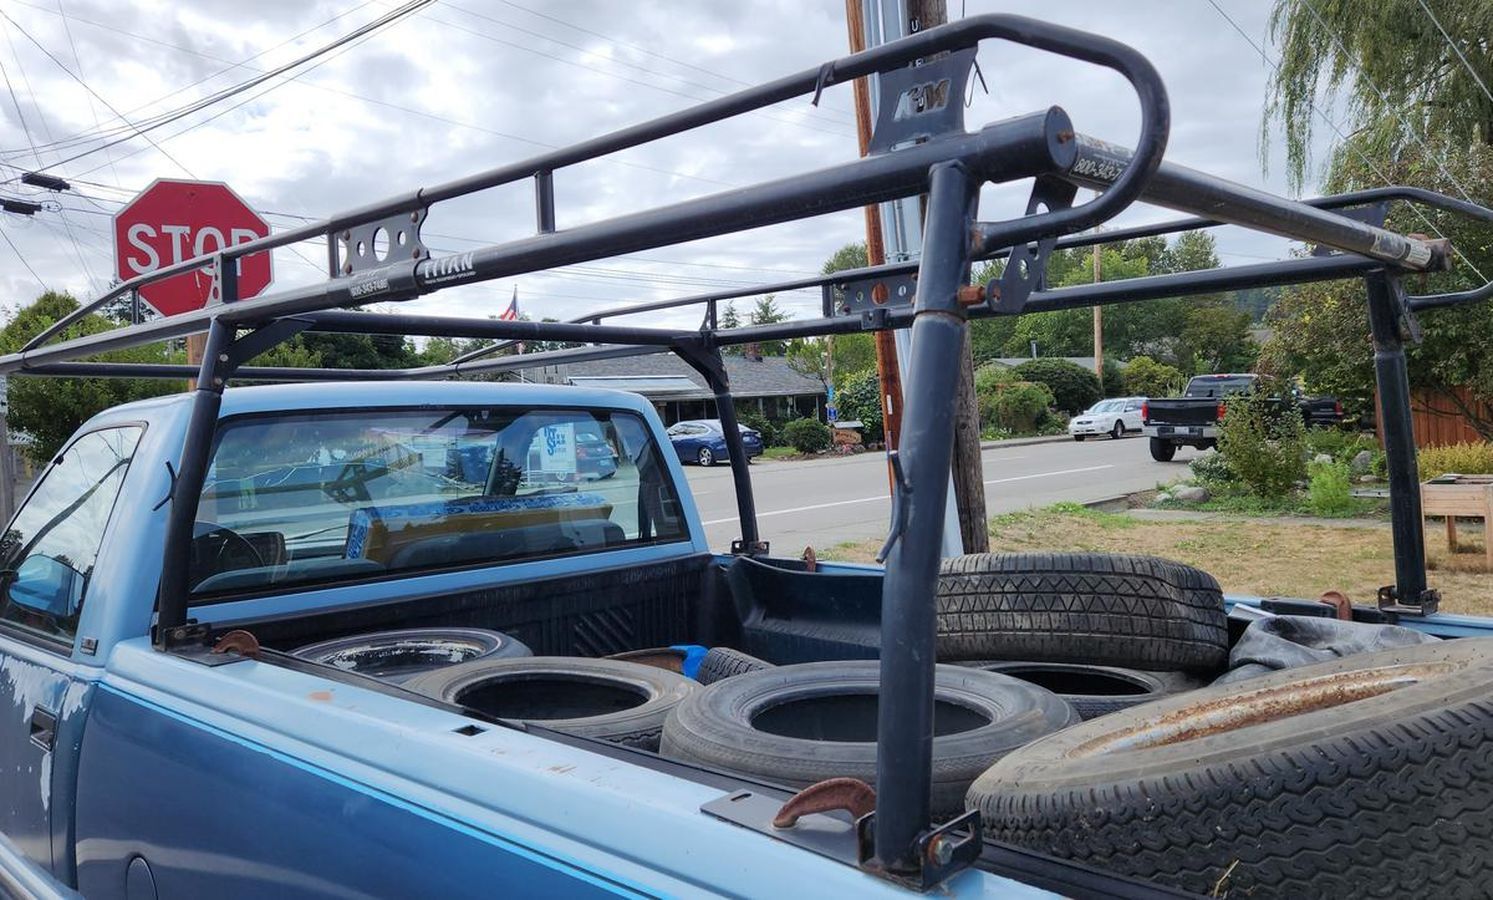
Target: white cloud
471 84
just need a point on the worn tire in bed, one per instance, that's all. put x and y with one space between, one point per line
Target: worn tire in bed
1095 691
609 699
1370 775
1138 612
402 654
721 663
801 724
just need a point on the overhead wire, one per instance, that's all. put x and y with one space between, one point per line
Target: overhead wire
1457 50
99 130
425 114
166 118
1275 66
620 77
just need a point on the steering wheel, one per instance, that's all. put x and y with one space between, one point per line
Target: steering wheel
217 549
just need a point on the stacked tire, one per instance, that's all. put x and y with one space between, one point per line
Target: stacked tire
1370 775
1105 631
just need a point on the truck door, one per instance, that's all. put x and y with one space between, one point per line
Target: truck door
46 557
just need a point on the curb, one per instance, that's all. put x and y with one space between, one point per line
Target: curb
1023 442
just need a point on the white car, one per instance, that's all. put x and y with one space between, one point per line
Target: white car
1113 417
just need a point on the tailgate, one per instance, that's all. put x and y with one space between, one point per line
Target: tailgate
1182 412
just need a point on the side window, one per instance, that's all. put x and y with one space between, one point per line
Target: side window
1132 406
47 554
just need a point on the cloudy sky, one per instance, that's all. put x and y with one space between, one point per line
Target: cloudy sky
464 85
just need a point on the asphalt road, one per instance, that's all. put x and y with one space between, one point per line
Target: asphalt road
825 502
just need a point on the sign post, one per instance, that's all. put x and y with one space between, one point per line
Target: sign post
174 220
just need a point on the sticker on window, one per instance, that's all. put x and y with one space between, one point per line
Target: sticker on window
557 448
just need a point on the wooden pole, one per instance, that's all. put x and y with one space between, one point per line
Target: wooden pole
196 344
1098 329
886 347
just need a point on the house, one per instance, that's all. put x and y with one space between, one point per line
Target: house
766 384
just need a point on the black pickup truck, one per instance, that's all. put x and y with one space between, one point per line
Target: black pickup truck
1192 419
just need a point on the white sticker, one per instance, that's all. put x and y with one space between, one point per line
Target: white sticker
557 448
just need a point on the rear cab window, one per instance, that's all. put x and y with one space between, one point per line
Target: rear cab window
302 498
1214 386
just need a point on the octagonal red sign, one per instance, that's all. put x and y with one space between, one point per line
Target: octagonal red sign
175 220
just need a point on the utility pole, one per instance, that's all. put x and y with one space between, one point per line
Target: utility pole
897 224
887 369
1098 327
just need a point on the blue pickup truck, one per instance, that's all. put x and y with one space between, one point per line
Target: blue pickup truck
408 633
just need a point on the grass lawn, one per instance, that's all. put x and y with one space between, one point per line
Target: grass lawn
1246 556
780 453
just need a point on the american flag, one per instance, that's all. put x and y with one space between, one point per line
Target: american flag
511 313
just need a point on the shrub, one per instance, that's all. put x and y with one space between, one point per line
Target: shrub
807 435
1210 469
1017 406
1327 492
1113 380
772 435
1145 377
1474 458
1074 388
859 400
1262 443
1339 444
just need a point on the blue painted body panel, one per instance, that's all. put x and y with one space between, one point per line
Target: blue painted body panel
253 780
249 779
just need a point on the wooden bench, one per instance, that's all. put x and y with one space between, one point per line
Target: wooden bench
1470 496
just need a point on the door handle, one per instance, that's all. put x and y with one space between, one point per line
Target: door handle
43 728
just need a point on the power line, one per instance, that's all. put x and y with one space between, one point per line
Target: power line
1346 142
820 112
22 257
156 122
424 114
99 130
593 69
1457 50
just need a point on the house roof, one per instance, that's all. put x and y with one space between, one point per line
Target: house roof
660 375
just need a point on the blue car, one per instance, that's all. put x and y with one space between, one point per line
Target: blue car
702 441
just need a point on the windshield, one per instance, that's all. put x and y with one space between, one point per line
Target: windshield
1104 406
1218 385
335 495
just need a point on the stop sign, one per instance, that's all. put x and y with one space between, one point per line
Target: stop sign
175 220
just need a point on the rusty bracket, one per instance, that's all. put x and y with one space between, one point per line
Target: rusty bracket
849 794
1424 605
862 296
1026 267
943 851
238 641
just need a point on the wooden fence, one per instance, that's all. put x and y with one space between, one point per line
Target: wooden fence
1438 420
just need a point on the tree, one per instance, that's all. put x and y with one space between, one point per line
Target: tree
1145 377
850 256
1074 388
859 400
810 357
726 319
766 312
1416 116
49 410
1407 88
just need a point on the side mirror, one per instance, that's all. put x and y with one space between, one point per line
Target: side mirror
48 586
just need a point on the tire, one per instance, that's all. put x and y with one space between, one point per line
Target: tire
1162 451
400 655
607 699
828 712
1118 431
1370 775
705 457
723 662
1095 691
1078 437
1137 612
